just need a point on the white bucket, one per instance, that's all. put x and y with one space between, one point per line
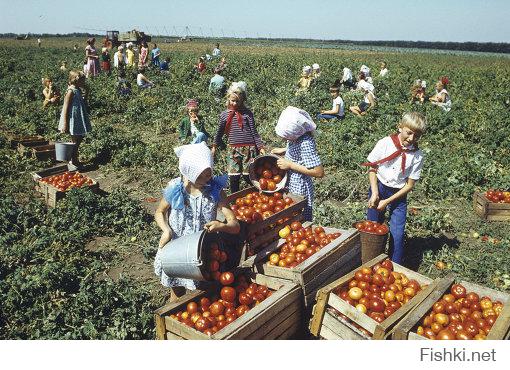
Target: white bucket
64 151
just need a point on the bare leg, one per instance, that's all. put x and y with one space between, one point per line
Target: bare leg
355 110
77 140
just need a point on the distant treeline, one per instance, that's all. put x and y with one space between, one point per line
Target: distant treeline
487 47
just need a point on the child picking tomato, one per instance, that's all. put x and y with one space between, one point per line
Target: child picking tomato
301 157
396 164
189 205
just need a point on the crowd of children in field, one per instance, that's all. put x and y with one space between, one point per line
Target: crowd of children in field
190 202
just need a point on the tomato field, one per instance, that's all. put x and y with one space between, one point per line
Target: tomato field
83 270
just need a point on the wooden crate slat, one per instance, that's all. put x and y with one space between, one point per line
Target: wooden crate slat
254 318
328 334
273 234
290 331
339 329
339 268
501 328
171 336
414 336
182 330
277 324
352 313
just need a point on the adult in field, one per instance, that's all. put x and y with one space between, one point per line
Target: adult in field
244 142
92 58
189 205
442 98
396 164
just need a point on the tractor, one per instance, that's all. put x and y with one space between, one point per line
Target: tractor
115 38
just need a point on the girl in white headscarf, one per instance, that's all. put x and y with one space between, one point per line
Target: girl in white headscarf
301 157
305 80
189 205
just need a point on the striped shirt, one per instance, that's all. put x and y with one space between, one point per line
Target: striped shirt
247 135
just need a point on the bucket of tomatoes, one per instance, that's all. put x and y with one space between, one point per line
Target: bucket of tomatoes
199 256
373 238
265 174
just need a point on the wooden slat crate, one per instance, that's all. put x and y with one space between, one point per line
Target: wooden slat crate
279 316
332 261
327 302
51 194
490 211
40 152
15 139
406 329
294 213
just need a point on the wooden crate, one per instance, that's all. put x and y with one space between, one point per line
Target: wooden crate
277 317
38 151
15 139
50 193
406 329
490 211
332 261
263 230
327 302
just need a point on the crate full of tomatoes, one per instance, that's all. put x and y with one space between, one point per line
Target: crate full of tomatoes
54 182
458 310
493 205
311 256
245 307
262 215
368 302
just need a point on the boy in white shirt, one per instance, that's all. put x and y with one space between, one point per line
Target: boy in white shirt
396 164
338 110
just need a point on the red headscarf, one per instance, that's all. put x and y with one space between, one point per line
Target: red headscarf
231 112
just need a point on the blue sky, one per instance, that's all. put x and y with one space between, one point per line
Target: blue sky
433 20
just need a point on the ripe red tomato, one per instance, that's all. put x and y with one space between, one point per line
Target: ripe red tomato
245 299
228 294
267 174
192 308
217 308
458 291
377 305
226 278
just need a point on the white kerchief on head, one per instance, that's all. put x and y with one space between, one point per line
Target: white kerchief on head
193 160
293 123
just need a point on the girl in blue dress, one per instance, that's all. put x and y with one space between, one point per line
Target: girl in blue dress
189 205
74 118
301 158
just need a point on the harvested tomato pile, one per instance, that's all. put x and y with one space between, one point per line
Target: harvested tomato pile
498 196
268 174
379 291
214 262
372 227
209 315
460 315
67 180
255 207
300 243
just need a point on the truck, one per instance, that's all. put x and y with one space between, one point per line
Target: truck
115 38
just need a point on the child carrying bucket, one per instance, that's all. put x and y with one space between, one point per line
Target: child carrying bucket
189 205
396 164
74 118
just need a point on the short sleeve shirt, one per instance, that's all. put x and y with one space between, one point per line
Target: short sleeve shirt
390 173
338 101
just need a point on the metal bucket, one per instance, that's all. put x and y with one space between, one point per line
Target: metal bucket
183 257
64 151
372 245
